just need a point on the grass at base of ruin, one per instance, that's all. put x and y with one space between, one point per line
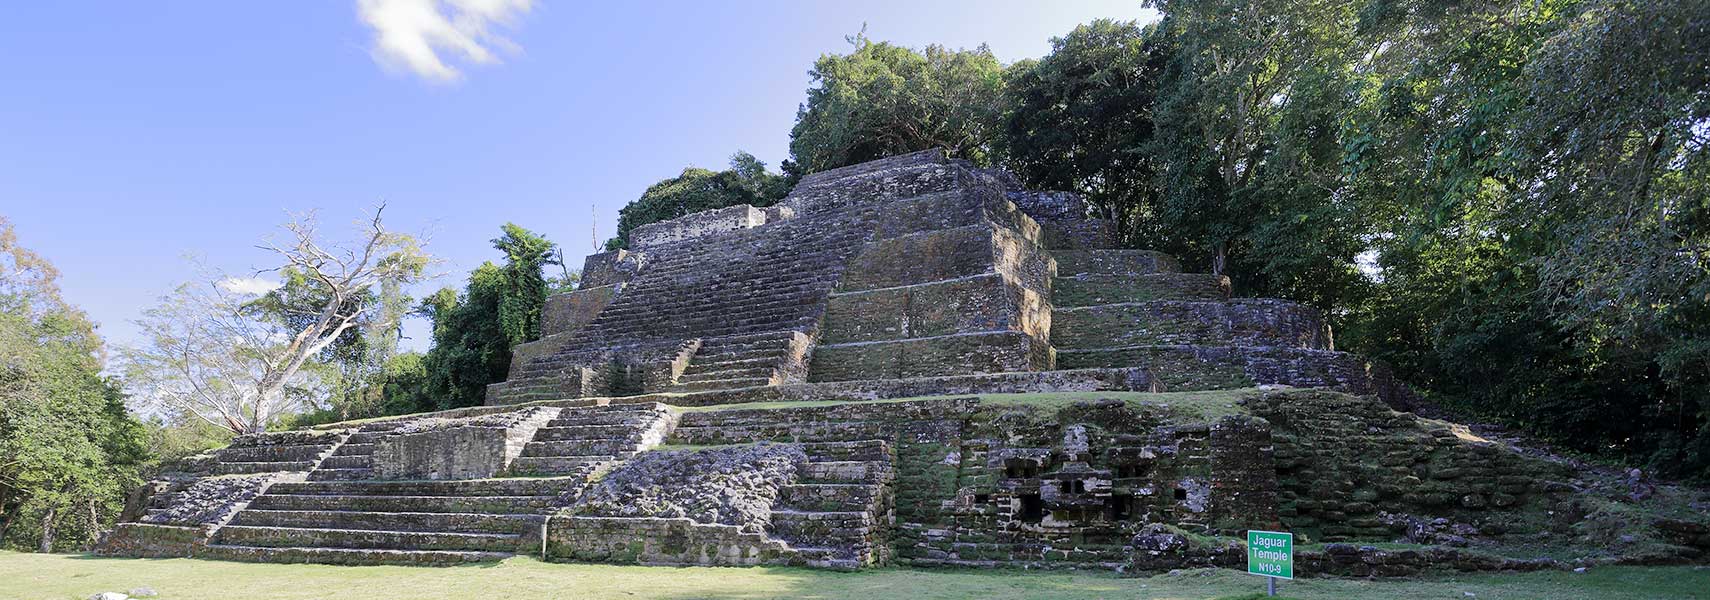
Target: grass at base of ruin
61 577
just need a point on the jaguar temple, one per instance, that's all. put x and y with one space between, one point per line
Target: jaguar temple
911 361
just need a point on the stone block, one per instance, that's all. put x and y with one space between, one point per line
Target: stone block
569 311
467 448
1127 263
697 225
609 268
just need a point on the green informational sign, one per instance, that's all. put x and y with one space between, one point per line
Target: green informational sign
1271 554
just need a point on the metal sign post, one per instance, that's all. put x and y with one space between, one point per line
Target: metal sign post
1270 554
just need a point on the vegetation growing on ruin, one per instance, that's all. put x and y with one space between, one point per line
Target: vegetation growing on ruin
1505 200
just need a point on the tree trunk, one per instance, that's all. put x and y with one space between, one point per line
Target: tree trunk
47 530
95 530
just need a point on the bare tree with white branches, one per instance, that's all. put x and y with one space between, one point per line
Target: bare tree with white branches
208 351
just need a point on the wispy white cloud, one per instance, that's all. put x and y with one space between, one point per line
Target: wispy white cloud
425 36
251 286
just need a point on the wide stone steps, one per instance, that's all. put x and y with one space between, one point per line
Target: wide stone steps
558 465
353 449
737 361
324 474
276 537
271 453
830 497
710 432
840 529
708 302
352 461
235 468
704 316
833 514
786 264
662 334
691 295
581 432
461 487
722 384
711 327
581 440
392 521
1094 290
347 556
444 504
630 421
735 373
607 447
867 449
845 471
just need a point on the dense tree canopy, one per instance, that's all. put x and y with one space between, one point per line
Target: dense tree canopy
70 449
882 100
1080 118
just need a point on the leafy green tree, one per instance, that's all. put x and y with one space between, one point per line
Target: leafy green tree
1540 170
882 100
1080 119
526 257
70 449
470 348
746 182
1248 145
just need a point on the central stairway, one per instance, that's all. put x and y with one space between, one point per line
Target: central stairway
737 362
745 302
837 512
580 441
391 522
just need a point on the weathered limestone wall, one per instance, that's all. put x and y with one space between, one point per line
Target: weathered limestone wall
1245 322
696 225
569 311
610 268
1342 460
559 319
661 541
149 540
1065 221
1069 487
1094 290
469 448
969 294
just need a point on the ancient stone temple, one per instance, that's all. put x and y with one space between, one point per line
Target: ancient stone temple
908 361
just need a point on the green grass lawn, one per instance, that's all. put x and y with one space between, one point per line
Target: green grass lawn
61 577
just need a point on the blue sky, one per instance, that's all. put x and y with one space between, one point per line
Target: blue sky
136 134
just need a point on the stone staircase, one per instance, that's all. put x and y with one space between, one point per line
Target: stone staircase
737 362
390 522
354 459
839 511
745 301
272 452
579 441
